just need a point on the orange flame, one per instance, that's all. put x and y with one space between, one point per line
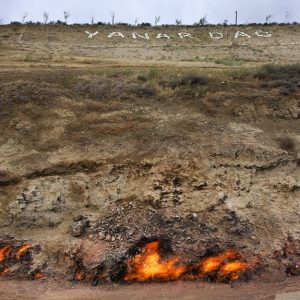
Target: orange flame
4 252
79 275
149 265
214 263
4 271
233 269
21 250
38 275
227 265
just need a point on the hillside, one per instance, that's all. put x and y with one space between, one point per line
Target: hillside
70 45
108 144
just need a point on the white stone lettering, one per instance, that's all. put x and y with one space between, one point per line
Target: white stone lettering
115 34
183 35
263 33
135 35
162 36
241 33
216 35
91 35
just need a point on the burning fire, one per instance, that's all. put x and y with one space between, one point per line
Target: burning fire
4 271
227 265
38 275
149 265
8 256
4 252
21 250
233 270
79 275
212 264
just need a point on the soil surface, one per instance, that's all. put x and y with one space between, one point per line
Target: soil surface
105 142
287 290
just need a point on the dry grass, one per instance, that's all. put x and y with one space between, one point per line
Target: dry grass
104 89
190 80
28 91
279 72
287 144
284 78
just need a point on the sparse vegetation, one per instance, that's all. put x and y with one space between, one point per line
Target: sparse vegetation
67 15
279 72
190 80
202 22
145 24
284 91
25 92
152 74
113 16
134 137
287 144
286 78
229 61
142 78
225 22
241 73
268 18
46 17
24 18
157 20
178 22
105 89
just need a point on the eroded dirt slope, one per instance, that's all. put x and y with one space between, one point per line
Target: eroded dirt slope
94 159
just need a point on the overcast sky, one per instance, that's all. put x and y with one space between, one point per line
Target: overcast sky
189 11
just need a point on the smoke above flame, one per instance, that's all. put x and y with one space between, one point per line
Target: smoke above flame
148 265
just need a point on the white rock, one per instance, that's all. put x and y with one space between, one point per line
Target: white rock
221 196
101 235
195 216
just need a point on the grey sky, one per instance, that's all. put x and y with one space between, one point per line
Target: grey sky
127 11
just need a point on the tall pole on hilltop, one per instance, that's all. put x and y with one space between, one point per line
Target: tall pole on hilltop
236 17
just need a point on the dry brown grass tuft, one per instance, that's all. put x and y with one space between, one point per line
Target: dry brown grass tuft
104 89
190 80
287 144
24 92
285 78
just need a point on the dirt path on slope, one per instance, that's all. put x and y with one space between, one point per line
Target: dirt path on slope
289 289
